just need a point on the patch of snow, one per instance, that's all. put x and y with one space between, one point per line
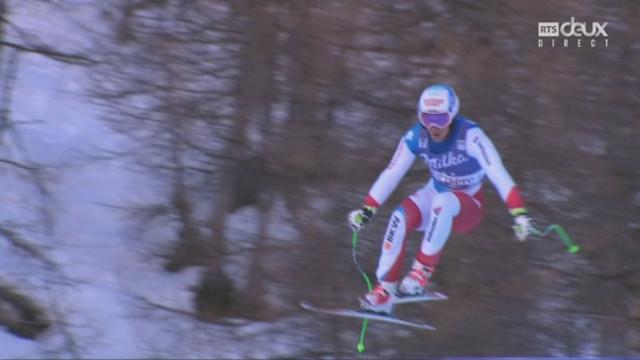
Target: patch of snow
13 347
281 224
592 144
589 345
636 199
556 194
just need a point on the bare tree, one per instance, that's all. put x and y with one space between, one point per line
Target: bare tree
162 95
20 312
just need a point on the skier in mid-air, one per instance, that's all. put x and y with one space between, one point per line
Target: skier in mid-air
459 155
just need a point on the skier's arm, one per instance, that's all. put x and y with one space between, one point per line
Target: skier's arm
390 177
482 149
387 181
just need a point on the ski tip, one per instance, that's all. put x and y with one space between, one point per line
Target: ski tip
425 327
305 304
440 296
436 295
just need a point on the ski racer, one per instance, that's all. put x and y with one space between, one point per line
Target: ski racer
459 156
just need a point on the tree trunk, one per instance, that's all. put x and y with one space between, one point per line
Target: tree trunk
189 247
253 294
215 292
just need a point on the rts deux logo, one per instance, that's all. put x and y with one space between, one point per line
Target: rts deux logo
572 34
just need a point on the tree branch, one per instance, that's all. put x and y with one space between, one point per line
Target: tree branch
45 50
17 241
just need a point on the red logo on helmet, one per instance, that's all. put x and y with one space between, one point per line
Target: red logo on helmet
433 102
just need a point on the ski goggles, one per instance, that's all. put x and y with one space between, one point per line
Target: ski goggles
438 120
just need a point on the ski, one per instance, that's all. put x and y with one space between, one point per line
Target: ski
362 314
428 296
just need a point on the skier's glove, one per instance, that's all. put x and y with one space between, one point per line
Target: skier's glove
359 218
522 226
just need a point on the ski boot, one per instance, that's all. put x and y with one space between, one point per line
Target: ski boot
378 300
416 281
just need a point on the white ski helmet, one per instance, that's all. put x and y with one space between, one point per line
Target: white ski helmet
438 105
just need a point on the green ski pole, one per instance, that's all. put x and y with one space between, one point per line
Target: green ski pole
571 246
365 322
